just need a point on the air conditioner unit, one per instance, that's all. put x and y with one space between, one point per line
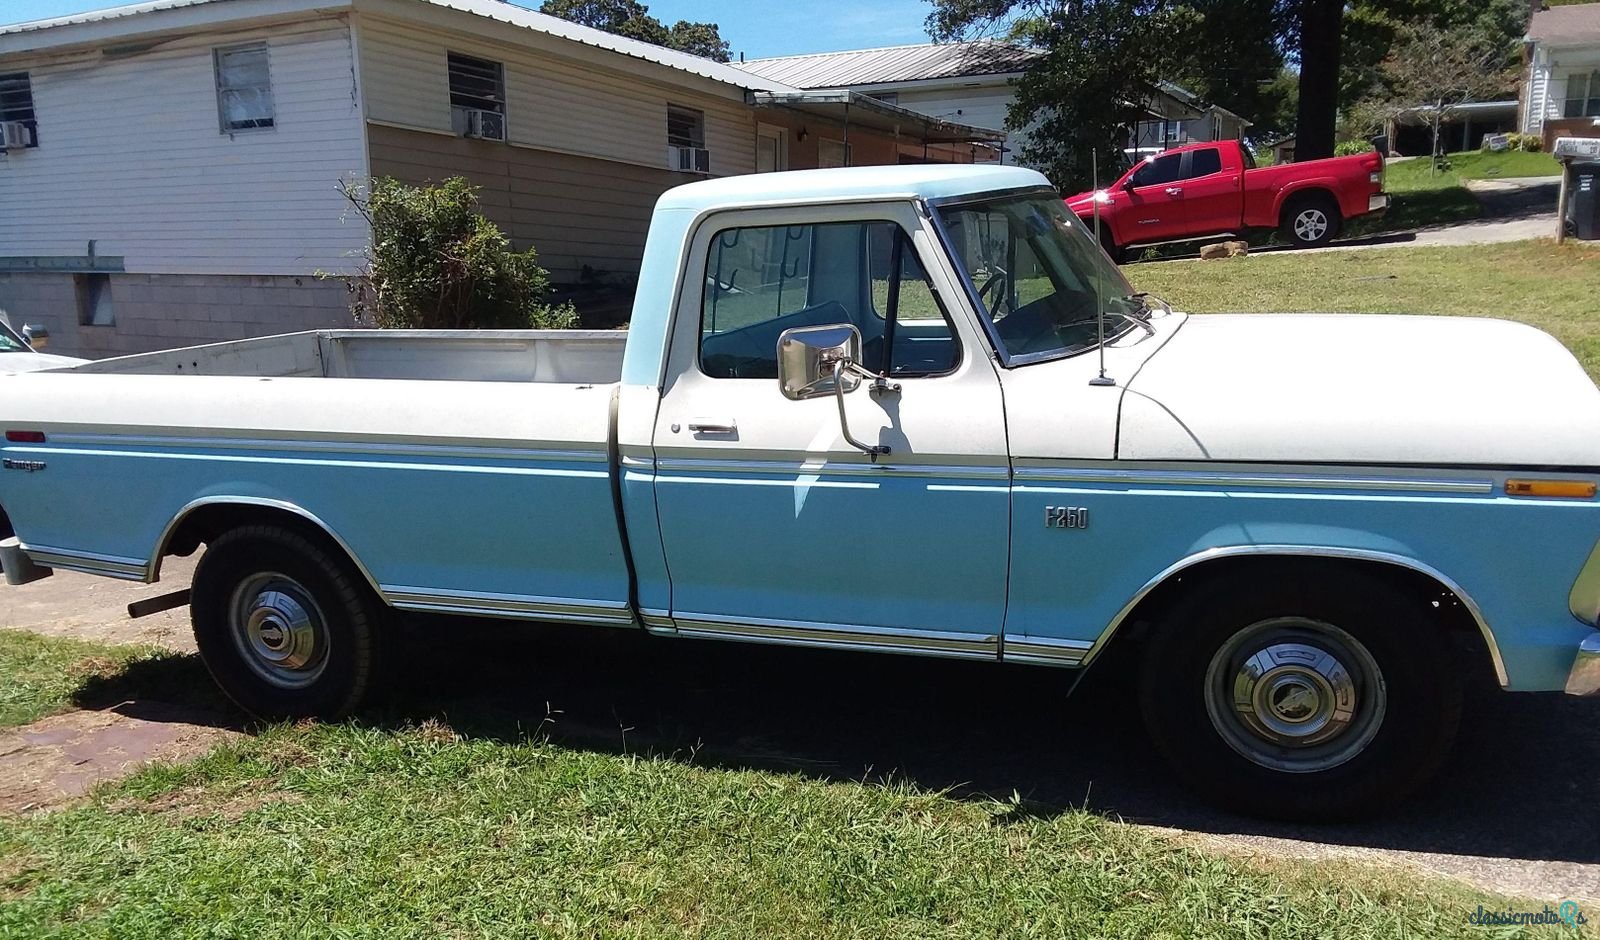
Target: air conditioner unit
484 125
15 135
689 159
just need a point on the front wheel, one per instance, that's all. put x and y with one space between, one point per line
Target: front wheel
1300 697
1311 222
285 625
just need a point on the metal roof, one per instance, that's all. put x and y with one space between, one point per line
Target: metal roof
489 9
855 108
1572 25
896 64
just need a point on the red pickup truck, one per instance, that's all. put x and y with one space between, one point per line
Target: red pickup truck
1215 188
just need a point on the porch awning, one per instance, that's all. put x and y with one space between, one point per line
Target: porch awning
854 109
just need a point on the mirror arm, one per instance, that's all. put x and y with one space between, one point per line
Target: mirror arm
839 367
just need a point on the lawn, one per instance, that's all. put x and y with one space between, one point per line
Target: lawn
409 828
38 676
1420 197
1553 288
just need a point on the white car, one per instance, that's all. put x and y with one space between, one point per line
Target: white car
17 351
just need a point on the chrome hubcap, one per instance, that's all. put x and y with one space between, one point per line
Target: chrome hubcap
279 630
1311 224
1295 695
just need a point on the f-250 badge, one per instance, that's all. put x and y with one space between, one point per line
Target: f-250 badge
1066 517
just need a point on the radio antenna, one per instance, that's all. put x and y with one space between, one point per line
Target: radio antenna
1100 314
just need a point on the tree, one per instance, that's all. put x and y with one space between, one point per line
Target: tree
632 19
1443 69
436 263
1321 26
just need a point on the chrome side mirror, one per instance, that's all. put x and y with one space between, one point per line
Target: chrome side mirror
807 356
37 336
814 361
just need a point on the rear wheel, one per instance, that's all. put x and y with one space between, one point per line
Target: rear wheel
1311 221
1302 697
285 625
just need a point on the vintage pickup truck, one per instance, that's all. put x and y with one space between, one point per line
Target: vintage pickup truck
906 409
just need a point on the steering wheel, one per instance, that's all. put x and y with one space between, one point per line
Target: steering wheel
999 279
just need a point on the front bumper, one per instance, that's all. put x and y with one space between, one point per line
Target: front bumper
1378 203
1585 676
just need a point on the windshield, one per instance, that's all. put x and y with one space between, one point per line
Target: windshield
1041 278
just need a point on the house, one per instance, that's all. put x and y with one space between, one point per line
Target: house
1410 131
966 82
1560 94
172 170
974 83
1177 117
1279 150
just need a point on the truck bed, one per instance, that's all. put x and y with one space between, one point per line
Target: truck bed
558 356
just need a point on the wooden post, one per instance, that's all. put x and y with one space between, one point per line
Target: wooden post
1561 201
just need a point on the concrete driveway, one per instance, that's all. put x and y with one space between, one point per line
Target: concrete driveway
1513 812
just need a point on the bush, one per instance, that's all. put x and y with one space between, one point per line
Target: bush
437 263
1346 148
1530 143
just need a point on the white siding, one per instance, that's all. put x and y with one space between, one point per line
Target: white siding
130 154
554 103
982 106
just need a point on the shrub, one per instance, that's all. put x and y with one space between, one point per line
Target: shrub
1346 148
436 263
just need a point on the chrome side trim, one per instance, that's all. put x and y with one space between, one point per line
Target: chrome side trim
153 567
831 468
657 621
841 636
110 566
1585 676
515 606
637 463
1045 651
1026 475
1584 601
331 446
1308 551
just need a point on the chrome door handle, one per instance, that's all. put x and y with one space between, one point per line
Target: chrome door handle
713 425
1174 190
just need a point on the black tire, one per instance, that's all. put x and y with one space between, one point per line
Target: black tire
1311 221
1117 254
1414 727
306 599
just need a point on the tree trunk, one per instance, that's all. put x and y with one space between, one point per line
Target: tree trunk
1321 23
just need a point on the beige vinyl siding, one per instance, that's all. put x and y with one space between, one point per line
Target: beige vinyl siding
553 102
575 210
131 155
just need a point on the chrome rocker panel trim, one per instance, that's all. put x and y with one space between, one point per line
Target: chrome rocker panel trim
1031 474
1045 651
516 606
840 636
110 566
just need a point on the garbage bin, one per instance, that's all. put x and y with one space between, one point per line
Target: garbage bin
1583 201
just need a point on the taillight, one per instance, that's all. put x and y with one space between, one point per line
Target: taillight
25 437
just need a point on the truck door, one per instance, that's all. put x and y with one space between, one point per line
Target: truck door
1154 202
776 528
1213 200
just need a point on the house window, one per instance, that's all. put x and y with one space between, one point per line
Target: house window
244 88
477 85
16 103
832 153
686 127
1583 95
94 300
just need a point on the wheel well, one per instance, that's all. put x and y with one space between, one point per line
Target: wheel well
1303 196
6 531
204 524
1452 611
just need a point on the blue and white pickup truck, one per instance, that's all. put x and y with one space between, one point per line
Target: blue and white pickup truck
906 409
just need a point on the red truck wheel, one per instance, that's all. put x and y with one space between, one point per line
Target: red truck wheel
1311 221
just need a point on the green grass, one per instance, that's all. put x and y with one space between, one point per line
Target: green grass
1409 176
39 675
349 831
1536 282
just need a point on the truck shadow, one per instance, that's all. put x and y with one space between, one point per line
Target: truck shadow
976 730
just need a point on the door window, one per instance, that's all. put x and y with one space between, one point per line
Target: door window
1166 169
1205 162
762 281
